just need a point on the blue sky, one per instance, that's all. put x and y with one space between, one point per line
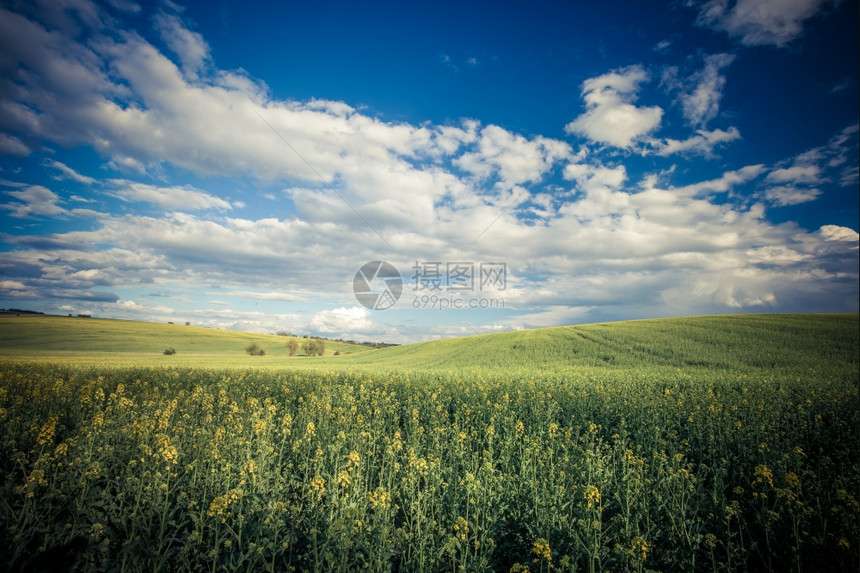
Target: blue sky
234 164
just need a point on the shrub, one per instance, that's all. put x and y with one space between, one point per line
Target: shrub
254 350
314 347
169 351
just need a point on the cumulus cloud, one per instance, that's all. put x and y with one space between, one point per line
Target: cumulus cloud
173 198
11 145
725 182
342 320
798 179
582 237
611 116
700 100
66 172
702 142
759 22
837 233
277 296
796 174
34 200
189 47
783 195
513 157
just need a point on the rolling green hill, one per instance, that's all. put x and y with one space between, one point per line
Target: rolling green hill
515 446
729 342
714 342
133 342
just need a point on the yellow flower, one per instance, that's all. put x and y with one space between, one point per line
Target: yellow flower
166 450
710 540
222 504
592 496
763 474
640 547
491 431
354 459
46 433
542 549
96 531
379 498
343 479
461 528
317 486
259 426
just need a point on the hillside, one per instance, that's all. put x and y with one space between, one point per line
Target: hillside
800 342
632 435
94 339
714 342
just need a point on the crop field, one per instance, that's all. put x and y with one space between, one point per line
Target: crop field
695 444
94 341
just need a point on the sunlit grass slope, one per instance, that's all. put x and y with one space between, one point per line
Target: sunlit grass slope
801 342
133 342
784 341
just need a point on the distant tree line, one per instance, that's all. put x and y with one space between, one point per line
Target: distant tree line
312 337
19 311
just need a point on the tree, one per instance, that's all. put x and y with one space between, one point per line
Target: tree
292 346
254 350
314 347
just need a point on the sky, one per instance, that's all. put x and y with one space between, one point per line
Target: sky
407 171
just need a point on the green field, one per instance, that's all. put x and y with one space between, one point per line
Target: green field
727 443
126 343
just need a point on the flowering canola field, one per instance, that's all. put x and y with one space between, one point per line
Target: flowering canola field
607 465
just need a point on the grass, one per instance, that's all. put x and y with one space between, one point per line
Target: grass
728 443
128 343
795 342
787 342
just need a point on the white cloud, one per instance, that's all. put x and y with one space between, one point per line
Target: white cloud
725 182
701 102
513 157
15 290
702 143
662 46
173 198
277 296
796 174
783 195
592 178
11 145
35 200
599 243
189 47
759 22
798 179
342 320
837 233
67 172
610 116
